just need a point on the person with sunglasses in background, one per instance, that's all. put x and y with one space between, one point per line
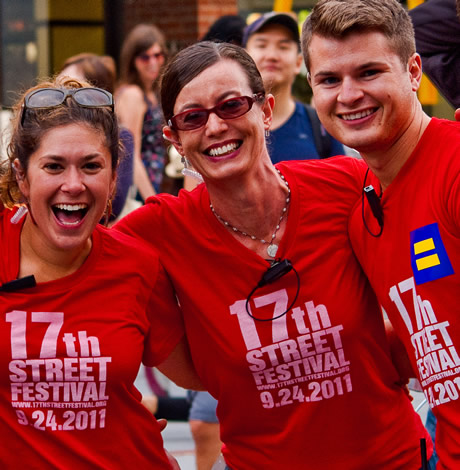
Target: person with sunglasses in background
142 57
283 327
80 306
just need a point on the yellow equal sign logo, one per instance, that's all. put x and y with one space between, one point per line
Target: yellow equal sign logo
427 261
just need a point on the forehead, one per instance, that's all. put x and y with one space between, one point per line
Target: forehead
223 78
354 49
153 48
72 138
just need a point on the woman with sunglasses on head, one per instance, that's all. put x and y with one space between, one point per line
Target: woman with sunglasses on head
283 327
79 304
142 57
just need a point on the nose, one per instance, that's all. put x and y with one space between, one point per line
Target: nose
215 124
271 52
73 181
350 91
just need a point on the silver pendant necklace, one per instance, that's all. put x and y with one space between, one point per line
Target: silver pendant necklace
272 247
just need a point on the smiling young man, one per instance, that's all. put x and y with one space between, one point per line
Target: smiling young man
364 72
273 43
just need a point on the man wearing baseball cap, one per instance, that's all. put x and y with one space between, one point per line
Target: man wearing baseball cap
273 42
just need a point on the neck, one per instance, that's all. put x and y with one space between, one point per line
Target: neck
253 204
45 262
284 106
387 161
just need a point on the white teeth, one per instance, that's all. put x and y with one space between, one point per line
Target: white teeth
352 116
222 150
70 223
71 207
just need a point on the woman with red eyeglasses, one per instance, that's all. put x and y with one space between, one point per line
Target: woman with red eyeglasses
81 306
142 56
283 327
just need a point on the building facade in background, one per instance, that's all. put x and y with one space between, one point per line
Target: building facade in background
36 36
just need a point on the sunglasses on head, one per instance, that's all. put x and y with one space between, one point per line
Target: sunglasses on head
146 57
227 109
87 97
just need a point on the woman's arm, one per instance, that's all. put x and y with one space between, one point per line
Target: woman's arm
180 369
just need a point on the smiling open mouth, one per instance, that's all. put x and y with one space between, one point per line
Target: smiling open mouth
224 150
359 115
70 214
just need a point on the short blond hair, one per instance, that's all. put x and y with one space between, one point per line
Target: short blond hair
338 18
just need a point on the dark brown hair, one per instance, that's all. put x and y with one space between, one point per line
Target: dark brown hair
338 18
141 38
26 137
193 60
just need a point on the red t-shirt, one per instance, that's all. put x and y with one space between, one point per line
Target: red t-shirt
70 351
414 267
315 388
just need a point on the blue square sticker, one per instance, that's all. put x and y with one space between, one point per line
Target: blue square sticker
429 257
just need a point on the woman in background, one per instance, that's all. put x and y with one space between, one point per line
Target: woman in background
142 55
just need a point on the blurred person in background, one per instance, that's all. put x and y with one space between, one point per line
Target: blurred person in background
437 39
142 56
296 133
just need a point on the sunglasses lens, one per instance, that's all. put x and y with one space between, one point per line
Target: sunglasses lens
92 97
192 119
228 109
233 108
147 57
45 98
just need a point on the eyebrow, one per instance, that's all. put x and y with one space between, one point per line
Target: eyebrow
59 159
221 97
365 66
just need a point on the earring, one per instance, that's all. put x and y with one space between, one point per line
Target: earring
188 171
267 132
21 212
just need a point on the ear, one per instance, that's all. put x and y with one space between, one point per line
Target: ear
298 63
113 184
172 136
21 179
415 71
267 109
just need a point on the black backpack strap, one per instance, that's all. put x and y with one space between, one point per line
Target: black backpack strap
320 135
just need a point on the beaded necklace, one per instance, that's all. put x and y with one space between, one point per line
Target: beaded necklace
272 247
